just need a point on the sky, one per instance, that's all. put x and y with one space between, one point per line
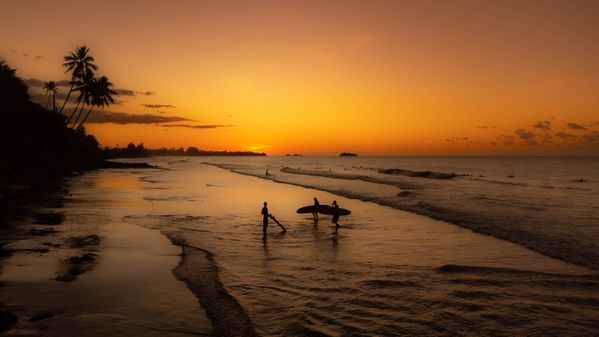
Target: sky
323 77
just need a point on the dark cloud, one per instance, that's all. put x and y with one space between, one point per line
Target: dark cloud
484 127
494 143
37 83
129 92
565 136
543 125
125 92
206 126
41 98
575 126
100 117
158 106
39 57
527 136
34 82
453 140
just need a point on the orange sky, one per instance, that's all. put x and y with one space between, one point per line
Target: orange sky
322 77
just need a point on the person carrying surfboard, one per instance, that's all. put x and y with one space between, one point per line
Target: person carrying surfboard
315 211
335 213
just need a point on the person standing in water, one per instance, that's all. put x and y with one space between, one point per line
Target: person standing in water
335 213
264 218
315 212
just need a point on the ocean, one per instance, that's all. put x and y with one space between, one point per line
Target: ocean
434 246
409 260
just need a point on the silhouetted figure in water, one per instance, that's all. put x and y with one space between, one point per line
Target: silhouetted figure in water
335 213
265 216
315 212
267 173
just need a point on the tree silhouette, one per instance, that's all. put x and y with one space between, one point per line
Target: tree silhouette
51 90
83 86
100 95
81 65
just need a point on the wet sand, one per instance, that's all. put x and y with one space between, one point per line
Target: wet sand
92 275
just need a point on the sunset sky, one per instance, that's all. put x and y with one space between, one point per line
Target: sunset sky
322 77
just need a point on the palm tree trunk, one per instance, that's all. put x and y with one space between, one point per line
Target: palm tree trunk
67 99
48 101
78 115
73 113
54 101
83 121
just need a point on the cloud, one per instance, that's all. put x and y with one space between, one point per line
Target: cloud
158 106
27 55
125 92
543 125
485 127
575 126
37 83
206 126
41 98
527 136
453 140
100 117
129 92
565 136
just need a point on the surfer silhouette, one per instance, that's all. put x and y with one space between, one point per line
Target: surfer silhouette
335 213
315 212
265 216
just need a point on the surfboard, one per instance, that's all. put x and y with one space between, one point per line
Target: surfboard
323 209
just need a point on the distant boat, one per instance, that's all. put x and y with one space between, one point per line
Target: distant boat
348 154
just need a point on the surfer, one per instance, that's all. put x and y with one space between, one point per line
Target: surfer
315 211
335 213
264 218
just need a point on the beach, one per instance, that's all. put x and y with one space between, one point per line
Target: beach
178 250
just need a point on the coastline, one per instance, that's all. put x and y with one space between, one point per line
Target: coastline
62 271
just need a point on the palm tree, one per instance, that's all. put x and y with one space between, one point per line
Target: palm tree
51 90
80 64
82 85
100 95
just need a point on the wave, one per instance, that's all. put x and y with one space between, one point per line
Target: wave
419 174
346 176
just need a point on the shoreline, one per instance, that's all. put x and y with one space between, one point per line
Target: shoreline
198 270
60 274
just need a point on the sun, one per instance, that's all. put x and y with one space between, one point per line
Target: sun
255 147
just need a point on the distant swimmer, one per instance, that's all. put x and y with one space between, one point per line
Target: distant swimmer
581 180
315 211
267 173
335 213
